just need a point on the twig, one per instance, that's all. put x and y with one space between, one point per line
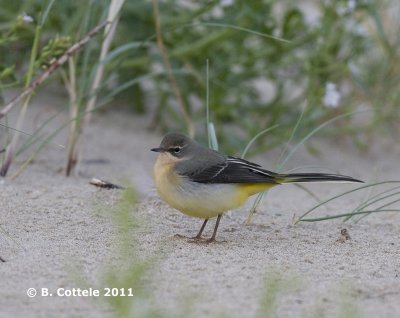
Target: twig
53 66
74 126
168 67
76 131
104 184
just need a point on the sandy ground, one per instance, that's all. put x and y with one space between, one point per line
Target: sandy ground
54 227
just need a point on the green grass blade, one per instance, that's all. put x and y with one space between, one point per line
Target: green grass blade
369 202
260 196
250 143
122 49
256 203
213 136
314 131
208 103
109 97
309 192
382 206
46 12
285 149
35 137
343 194
238 28
337 216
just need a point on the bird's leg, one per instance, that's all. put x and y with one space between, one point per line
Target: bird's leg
198 236
212 239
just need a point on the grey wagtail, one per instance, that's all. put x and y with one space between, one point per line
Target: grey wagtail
204 183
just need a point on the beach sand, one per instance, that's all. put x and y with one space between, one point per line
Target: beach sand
55 228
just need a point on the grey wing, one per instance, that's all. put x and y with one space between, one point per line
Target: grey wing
233 170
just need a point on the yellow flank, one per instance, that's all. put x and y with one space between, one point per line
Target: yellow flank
245 190
250 189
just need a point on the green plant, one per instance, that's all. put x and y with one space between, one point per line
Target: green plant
348 309
265 59
9 153
80 108
128 273
314 55
274 286
366 207
51 57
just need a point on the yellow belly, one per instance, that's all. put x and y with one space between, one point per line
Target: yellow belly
199 199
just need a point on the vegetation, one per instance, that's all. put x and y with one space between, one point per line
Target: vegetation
267 61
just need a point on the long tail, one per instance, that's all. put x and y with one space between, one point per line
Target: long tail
314 177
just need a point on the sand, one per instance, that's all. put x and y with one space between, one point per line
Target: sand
54 226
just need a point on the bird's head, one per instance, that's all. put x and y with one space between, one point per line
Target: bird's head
177 145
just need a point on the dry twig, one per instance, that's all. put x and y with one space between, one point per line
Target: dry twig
168 68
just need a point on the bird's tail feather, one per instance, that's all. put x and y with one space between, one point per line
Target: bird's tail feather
314 177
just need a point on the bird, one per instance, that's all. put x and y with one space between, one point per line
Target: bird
204 183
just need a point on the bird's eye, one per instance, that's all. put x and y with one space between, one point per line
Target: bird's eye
176 149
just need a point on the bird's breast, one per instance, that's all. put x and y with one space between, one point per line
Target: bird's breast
195 199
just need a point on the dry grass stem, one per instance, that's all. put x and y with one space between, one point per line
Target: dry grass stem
168 68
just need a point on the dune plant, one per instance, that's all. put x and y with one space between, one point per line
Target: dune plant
130 270
48 58
126 272
308 58
9 153
81 114
275 285
266 58
384 201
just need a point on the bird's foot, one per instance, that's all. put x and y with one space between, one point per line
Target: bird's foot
180 236
214 241
194 238
205 241
198 239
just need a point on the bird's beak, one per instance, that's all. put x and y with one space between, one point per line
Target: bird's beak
158 149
